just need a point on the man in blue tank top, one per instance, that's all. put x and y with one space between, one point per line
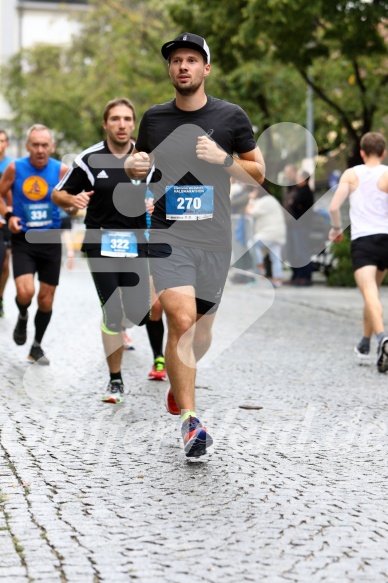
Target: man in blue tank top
31 180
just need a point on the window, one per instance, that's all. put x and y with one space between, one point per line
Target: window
58 1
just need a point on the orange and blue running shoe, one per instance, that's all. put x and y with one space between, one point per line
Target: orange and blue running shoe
195 437
127 342
171 404
158 372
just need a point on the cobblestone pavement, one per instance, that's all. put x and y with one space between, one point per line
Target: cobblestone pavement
295 489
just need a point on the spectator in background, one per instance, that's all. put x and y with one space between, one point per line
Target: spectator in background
239 198
297 200
289 178
334 178
269 228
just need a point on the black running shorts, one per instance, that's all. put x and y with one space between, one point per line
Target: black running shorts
41 258
123 287
5 235
206 271
370 250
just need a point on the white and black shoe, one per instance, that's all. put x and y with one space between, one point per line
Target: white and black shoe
114 392
37 355
382 355
362 354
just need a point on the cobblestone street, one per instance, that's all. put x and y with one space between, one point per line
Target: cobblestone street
294 490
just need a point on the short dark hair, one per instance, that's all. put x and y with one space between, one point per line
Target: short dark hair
373 144
5 133
118 101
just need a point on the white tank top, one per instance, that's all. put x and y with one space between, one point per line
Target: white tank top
368 204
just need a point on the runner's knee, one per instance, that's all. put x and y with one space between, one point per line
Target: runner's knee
181 323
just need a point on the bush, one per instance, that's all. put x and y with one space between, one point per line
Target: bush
342 274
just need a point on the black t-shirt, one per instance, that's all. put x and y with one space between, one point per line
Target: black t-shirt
97 169
171 135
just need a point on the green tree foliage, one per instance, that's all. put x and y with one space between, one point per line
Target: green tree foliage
336 46
264 52
117 53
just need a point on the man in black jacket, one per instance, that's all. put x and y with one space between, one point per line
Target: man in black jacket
297 201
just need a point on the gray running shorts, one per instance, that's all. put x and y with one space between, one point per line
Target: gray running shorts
176 266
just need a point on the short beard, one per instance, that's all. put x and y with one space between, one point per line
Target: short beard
120 144
187 91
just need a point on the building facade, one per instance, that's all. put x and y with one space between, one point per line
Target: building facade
24 23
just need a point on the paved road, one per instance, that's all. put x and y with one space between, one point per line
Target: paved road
294 491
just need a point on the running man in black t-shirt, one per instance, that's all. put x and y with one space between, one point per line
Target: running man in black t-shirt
114 243
191 141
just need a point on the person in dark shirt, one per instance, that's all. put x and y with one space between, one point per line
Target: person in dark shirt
196 143
297 200
115 242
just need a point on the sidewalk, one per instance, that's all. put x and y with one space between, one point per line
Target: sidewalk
295 489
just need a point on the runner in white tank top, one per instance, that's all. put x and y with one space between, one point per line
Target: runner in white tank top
368 204
367 188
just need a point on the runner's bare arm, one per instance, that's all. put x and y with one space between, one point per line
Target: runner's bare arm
248 167
6 183
66 201
63 171
346 185
71 209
